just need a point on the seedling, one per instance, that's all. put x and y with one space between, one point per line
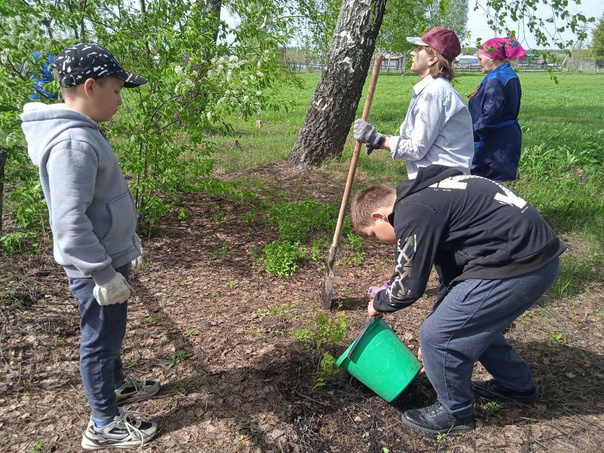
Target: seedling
319 334
177 357
557 336
248 217
221 252
356 243
493 406
218 214
152 320
184 215
281 258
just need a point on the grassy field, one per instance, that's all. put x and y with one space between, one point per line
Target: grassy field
561 170
570 112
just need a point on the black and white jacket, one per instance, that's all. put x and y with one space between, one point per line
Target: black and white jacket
467 227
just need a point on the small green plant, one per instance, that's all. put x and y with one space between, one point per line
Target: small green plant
557 336
441 437
37 447
356 244
278 311
281 258
256 331
315 251
493 406
248 217
218 214
177 357
152 320
183 215
191 331
321 333
232 284
221 252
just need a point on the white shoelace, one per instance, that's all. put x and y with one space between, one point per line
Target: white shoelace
133 429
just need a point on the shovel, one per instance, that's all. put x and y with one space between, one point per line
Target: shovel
329 276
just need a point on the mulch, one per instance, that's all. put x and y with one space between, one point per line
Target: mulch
217 331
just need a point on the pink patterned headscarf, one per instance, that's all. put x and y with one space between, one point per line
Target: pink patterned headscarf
503 49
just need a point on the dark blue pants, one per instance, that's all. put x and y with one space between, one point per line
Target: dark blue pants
103 329
468 326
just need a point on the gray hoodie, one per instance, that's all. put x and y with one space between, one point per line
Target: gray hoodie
91 210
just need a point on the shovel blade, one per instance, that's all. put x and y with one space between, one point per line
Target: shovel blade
329 276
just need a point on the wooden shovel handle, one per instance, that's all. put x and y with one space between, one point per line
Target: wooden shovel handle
357 149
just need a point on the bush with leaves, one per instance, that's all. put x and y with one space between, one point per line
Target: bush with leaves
196 79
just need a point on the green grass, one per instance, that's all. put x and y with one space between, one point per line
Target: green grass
561 170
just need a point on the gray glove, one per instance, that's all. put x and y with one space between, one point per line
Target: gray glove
366 133
115 291
138 261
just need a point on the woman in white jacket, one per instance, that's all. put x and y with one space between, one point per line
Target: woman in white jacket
438 127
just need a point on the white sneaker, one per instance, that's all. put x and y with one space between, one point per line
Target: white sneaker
136 390
123 432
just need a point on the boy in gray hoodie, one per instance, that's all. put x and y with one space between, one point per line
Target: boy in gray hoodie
93 220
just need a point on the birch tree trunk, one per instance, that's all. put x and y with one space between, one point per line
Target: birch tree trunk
333 107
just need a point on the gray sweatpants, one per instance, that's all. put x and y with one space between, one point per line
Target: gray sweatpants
468 326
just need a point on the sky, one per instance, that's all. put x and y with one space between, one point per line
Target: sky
477 21
478 27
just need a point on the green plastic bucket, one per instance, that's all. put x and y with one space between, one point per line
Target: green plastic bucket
380 360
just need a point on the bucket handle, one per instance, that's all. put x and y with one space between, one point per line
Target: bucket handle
354 345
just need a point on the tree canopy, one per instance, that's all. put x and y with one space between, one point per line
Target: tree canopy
200 72
597 43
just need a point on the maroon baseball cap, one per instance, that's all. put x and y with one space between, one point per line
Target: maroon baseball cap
441 39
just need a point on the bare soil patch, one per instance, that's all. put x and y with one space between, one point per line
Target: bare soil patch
246 385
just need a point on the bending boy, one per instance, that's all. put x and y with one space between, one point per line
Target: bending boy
495 256
93 222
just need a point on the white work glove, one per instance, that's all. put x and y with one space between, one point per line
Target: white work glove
138 261
115 291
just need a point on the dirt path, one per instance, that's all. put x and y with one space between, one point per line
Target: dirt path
244 384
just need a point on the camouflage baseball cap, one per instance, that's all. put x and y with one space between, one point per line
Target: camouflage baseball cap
86 60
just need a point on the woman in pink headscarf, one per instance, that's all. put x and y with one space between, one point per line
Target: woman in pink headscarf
494 109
